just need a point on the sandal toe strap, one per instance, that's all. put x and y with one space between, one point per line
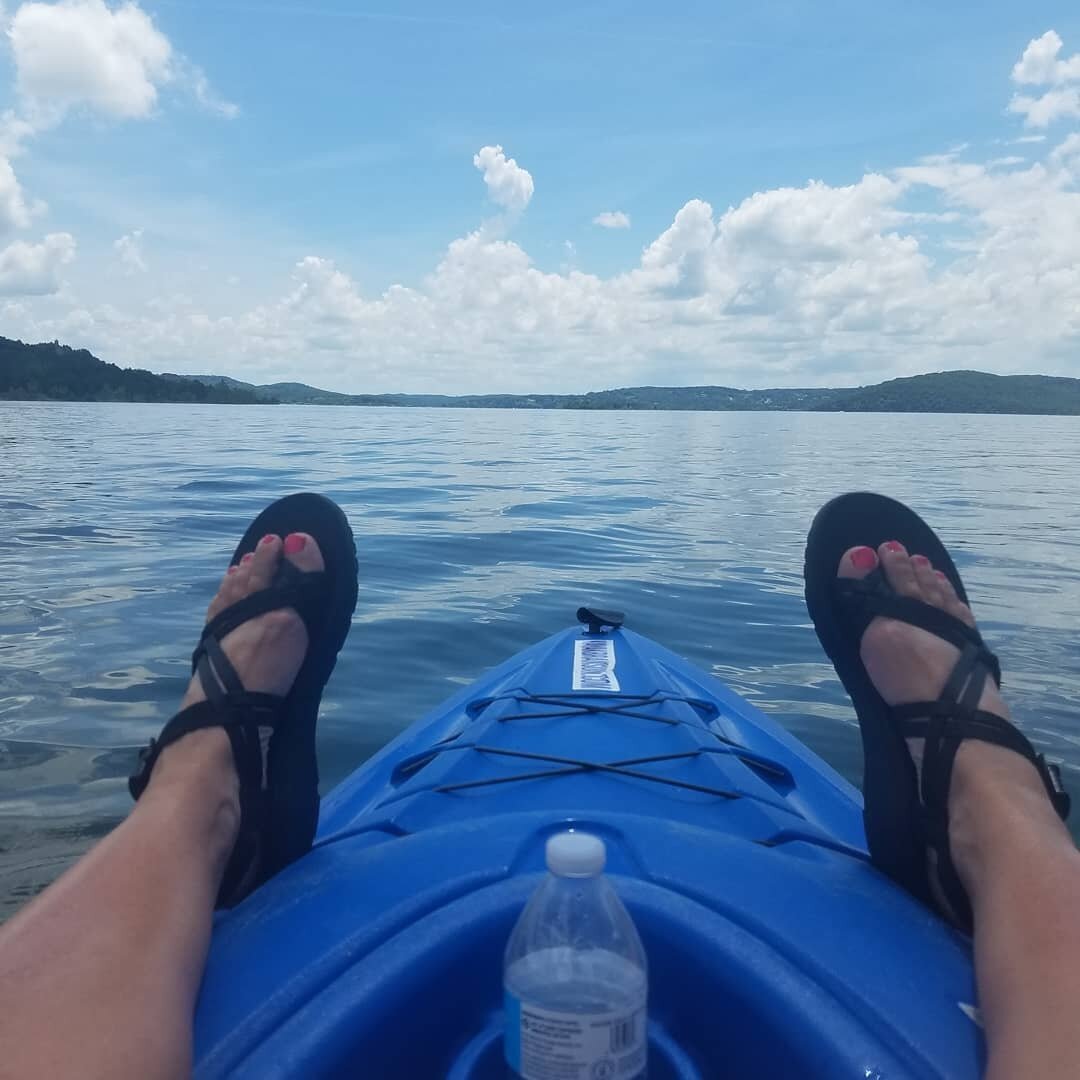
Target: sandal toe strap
296 589
305 591
864 599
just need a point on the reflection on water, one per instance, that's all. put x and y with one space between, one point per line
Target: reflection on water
479 532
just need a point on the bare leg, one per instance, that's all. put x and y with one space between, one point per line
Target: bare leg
1016 859
1022 872
99 974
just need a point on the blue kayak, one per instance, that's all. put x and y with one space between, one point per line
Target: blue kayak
775 949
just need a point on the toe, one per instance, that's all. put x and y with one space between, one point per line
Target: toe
899 572
263 563
928 582
303 552
229 591
951 602
857 562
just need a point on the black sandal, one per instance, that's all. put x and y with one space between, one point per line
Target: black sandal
905 819
273 738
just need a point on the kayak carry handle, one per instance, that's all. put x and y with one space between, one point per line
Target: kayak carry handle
597 621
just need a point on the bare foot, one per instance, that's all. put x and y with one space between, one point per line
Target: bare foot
267 653
907 664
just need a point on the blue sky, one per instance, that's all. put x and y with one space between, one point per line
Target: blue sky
288 190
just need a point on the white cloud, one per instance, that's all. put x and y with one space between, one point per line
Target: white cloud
129 249
14 131
14 211
612 219
79 52
677 261
33 269
84 54
1054 105
813 223
508 184
195 78
1040 66
1067 150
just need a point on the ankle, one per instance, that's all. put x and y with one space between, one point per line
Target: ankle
998 811
196 775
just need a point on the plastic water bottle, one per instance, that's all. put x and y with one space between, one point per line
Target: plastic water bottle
574 975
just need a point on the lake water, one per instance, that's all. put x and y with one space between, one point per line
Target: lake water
480 532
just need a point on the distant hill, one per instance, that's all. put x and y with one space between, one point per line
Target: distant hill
53 372
702 398
963 392
948 391
294 393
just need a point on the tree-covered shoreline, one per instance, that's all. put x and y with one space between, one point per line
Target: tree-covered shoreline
54 372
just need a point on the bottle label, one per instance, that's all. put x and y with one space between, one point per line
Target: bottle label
546 1045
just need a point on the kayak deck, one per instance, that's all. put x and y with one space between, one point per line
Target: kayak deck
774 947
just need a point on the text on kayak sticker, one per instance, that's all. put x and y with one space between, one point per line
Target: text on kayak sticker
594 664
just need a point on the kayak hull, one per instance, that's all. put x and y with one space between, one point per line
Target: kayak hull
774 947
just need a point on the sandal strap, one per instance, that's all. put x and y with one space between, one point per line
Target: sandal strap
945 725
944 728
292 588
303 590
863 599
241 718
249 720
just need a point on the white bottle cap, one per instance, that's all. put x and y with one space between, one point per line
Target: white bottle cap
575 854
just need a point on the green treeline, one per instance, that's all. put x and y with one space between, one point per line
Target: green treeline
53 372
963 392
945 392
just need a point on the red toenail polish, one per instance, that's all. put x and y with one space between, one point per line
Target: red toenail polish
920 560
294 542
941 574
247 558
232 569
269 538
894 545
863 558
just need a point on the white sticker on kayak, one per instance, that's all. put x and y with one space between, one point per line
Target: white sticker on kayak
594 664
